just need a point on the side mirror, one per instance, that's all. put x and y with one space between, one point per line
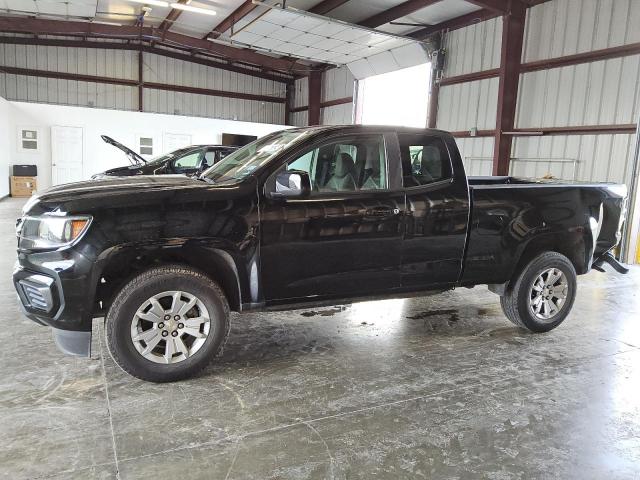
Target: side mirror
292 184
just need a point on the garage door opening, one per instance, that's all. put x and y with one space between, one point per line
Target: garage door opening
395 98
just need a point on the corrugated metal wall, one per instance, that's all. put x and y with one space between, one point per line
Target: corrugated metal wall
565 27
467 105
597 93
470 105
160 69
603 158
300 99
336 83
123 64
474 48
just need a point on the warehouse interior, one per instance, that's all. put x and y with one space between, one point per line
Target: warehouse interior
433 386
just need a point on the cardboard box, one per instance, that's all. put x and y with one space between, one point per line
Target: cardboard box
23 186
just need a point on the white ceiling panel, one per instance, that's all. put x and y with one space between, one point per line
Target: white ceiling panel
287 32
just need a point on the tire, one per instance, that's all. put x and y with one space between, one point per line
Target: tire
197 341
522 297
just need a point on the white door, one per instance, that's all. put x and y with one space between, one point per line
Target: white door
66 154
174 141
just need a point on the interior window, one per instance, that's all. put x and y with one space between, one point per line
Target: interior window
425 159
209 158
188 161
352 164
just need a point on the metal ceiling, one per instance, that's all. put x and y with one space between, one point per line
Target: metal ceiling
159 24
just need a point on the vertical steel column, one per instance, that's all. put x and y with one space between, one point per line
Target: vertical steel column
288 88
510 61
315 94
140 81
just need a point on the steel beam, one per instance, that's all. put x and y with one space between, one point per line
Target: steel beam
209 62
68 76
315 95
140 81
39 26
136 83
326 6
511 53
287 104
214 93
399 11
625 129
499 6
578 58
455 23
171 17
622 129
470 77
243 10
556 62
328 103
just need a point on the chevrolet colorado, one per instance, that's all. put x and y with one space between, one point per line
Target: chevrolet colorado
301 217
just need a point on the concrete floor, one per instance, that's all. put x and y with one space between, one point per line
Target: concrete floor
441 387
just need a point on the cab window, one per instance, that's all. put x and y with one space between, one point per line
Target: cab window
188 162
209 159
352 164
425 159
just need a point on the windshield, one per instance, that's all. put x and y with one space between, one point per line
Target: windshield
169 156
242 163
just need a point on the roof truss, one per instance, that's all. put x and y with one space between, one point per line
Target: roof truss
39 26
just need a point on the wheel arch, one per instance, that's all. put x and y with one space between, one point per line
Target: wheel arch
570 244
116 267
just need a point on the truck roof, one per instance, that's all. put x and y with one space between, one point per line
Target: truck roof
373 128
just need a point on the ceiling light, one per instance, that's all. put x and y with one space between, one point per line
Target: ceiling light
102 22
157 3
189 8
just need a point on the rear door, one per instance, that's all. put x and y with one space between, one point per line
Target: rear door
346 238
437 211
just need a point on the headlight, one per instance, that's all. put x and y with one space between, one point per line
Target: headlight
51 232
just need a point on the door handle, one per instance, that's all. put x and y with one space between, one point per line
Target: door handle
381 212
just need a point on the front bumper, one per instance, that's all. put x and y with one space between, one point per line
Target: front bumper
55 289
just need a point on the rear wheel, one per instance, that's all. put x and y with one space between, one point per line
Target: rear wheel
167 324
541 296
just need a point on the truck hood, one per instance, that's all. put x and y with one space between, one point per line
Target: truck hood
134 191
133 157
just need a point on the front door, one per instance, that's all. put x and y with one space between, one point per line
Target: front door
343 240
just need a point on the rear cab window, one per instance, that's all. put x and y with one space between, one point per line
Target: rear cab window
425 159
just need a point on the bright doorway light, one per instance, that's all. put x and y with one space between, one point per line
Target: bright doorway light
395 98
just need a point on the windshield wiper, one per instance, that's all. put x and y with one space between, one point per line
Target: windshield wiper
205 179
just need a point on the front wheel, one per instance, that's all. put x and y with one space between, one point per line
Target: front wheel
541 296
167 324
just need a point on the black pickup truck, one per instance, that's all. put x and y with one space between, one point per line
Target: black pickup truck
301 217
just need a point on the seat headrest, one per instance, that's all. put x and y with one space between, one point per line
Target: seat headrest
344 165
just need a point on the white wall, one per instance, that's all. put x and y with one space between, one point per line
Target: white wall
121 125
5 109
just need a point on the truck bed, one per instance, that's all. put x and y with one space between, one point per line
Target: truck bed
511 214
